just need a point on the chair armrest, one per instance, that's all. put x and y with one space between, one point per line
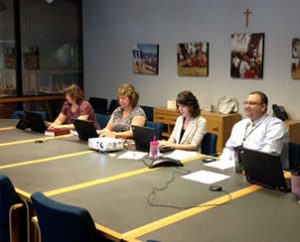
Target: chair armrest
37 226
14 222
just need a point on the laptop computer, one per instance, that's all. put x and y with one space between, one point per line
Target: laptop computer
142 137
85 129
263 169
35 121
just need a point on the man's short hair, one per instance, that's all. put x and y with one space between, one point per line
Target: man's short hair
263 97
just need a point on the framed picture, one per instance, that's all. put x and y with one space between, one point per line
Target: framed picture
31 58
145 59
295 63
247 56
9 58
192 59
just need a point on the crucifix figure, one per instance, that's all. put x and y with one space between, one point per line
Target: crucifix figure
247 13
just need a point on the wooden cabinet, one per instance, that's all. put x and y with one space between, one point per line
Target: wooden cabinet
220 124
294 130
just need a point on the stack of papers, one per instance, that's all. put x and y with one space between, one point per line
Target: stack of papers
181 154
133 155
206 177
221 164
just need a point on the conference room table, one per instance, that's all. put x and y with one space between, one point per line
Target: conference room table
116 191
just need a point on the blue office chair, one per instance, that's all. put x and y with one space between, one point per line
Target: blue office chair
159 127
99 104
14 219
114 103
61 222
20 113
102 119
294 156
209 144
149 112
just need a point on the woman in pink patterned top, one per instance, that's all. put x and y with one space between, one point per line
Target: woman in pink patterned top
75 107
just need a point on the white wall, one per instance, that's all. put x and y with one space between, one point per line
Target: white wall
112 27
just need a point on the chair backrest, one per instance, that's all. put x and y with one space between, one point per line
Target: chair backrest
17 113
99 104
159 127
209 144
102 119
8 197
149 112
61 222
113 105
294 156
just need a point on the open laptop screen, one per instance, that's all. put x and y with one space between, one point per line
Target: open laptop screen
85 129
142 137
263 169
35 121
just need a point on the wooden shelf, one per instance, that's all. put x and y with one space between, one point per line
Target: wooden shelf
294 130
45 98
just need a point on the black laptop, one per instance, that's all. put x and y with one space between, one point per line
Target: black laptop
142 137
85 129
264 169
35 121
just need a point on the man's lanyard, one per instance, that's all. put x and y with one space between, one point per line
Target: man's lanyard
247 134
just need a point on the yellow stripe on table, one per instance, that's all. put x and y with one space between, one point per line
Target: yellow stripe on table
33 140
25 163
108 179
135 233
7 128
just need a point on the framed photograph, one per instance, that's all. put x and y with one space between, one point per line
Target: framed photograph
9 58
145 59
295 63
192 59
31 58
247 56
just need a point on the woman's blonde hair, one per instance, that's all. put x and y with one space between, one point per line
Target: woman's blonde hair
127 90
75 93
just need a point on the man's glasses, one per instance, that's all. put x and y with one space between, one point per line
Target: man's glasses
251 103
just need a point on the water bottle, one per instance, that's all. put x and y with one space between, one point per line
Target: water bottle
238 163
154 149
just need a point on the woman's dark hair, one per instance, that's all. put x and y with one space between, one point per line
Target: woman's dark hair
187 98
75 93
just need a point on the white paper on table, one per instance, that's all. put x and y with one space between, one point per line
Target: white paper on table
181 154
133 155
206 177
221 164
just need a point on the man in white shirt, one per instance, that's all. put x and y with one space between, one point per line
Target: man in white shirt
258 131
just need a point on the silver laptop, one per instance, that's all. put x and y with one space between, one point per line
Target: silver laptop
263 169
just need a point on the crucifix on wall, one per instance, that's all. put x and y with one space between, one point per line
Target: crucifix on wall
247 15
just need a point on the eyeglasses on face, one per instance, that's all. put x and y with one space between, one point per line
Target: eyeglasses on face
251 103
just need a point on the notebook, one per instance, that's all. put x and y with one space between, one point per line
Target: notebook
85 129
142 137
264 169
35 121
